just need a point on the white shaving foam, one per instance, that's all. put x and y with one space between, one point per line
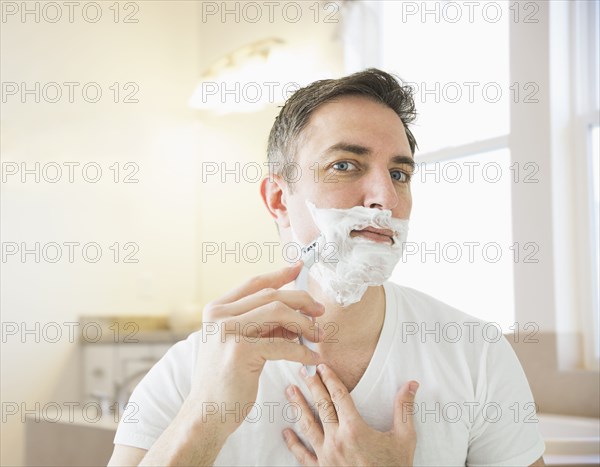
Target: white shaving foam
347 265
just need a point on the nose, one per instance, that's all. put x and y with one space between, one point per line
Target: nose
380 192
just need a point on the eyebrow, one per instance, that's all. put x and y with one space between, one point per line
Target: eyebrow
360 150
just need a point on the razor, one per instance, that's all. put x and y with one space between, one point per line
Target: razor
309 257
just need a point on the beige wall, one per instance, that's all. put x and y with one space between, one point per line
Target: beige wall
234 212
159 134
557 390
168 213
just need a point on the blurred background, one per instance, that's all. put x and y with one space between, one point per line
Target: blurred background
133 142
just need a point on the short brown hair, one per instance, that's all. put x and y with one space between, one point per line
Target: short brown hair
371 83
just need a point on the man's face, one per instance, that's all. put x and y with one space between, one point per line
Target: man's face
353 152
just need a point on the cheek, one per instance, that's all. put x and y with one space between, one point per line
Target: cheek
409 209
335 195
405 204
301 220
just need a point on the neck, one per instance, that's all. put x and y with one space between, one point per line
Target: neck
353 325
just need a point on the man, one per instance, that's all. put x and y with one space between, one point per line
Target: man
225 399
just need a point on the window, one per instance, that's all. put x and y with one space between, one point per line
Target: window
595 168
457 64
460 236
461 226
586 118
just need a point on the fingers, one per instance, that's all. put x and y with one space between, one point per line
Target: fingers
307 423
277 318
302 455
268 311
282 349
340 397
275 280
295 299
404 408
325 407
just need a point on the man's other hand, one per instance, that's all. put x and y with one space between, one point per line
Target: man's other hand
343 437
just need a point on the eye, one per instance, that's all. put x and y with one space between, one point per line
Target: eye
343 166
399 176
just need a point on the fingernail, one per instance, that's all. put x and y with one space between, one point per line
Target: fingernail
286 435
290 391
320 368
412 387
309 318
303 372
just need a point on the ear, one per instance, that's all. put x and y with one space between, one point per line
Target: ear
272 190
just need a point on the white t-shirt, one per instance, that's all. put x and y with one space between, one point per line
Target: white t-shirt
473 406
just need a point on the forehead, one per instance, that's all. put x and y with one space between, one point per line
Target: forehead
357 120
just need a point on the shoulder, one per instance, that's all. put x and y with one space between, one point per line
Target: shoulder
417 305
477 365
441 333
179 361
158 397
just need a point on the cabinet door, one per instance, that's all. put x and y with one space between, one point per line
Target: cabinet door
99 371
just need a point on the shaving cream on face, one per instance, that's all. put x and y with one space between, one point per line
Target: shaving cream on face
347 265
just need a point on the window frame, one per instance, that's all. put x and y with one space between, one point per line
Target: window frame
585 35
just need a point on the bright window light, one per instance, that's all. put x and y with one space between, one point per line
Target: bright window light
460 69
595 164
460 247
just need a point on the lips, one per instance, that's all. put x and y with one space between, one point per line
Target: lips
374 234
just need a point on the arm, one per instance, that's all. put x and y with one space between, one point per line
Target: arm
187 441
192 430
126 455
192 439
